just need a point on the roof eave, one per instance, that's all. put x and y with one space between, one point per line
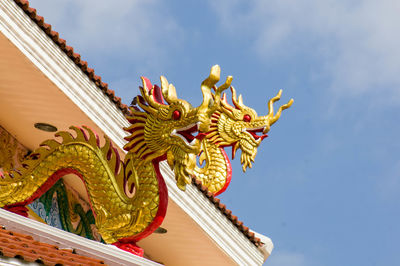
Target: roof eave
41 50
64 240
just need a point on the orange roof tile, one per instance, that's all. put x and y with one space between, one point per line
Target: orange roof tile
16 245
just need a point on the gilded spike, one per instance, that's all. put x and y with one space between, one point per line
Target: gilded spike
93 137
106 146
137 115
114 161
168 91
51 143
134 127
80 135
66 136
141 151
135 133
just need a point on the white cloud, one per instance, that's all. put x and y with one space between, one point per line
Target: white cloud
355 44
142 31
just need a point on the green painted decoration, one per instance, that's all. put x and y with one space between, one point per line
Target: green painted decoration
59 207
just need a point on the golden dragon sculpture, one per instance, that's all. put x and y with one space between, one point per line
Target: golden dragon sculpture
128 198
237 126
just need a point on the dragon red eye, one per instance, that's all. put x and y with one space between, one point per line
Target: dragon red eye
246 118
176 115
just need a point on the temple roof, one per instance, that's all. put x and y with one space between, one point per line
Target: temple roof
110 94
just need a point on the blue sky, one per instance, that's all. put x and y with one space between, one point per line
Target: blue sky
325 183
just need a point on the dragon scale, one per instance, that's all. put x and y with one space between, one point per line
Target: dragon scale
215 174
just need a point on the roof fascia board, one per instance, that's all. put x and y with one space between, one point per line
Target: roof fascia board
5 261
59 68
213 222
44 233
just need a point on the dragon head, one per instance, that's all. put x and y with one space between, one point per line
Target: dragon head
239 126
164 125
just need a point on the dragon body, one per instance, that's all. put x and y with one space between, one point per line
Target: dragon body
118 216
80 155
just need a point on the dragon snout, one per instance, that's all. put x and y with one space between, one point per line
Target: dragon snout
257 133
189 134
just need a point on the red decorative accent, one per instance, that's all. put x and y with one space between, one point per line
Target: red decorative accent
148 83
188 133
176 115
246 118
254 132
130 247
18 209
228 172
201 136
157 95
141 99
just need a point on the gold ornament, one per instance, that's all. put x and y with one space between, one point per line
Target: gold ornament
238 126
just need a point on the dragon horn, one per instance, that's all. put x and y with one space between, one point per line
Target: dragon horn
220 89
240 99
225 104
271 117
237 102
278 114
207 84
168 91
148 94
